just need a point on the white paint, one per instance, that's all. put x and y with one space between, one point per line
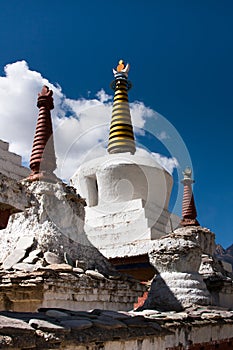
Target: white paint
127 199
199 334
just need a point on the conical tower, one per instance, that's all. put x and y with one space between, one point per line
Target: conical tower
189 212
121 137
43 160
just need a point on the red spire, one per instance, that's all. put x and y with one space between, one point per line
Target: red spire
43 160
189 212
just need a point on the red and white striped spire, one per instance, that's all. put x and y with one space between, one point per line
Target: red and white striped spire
43 159
189 212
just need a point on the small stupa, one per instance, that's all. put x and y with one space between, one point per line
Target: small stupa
43 159
189 212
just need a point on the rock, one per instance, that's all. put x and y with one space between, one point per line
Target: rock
56 314
24 267
145 313
136 321
58 267
155 325
5 341
9 326
83 314
78 270
46 326
25 242
16 256
32 257
115 277
80 263
77 325
108 323
55 218
115 315
68 259
95 274
178 316
210 315
52 258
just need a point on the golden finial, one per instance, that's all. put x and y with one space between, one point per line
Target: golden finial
120 66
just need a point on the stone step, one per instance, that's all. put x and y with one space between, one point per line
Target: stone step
120 222
128 206
136 224
125 211
107 239
114 218
127 249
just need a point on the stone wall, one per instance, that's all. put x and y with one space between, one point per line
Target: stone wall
194 329
10 163
12 196
61 286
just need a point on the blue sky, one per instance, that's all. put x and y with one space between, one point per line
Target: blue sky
181 56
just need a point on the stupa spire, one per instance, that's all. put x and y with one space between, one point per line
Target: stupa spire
189 212
121 137
43 159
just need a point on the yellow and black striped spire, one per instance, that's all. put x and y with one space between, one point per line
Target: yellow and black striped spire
121 137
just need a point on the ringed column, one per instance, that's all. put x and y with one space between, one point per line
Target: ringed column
43 159
121 137
189 212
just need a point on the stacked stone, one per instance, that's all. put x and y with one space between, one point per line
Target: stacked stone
43 160
121 138
196 328
63 286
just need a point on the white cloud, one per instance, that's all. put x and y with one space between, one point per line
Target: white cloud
168 163
163 136
102 96
80 126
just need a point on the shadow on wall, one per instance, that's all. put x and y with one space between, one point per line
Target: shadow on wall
160 297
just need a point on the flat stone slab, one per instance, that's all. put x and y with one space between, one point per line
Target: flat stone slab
78 270
45 332
12 259
25 242
24 267
108 323
115 315
136 321
52 258
56 314
77 324
46 326
95 274
9 325
32 257
58 267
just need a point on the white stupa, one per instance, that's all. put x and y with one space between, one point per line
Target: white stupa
127 196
